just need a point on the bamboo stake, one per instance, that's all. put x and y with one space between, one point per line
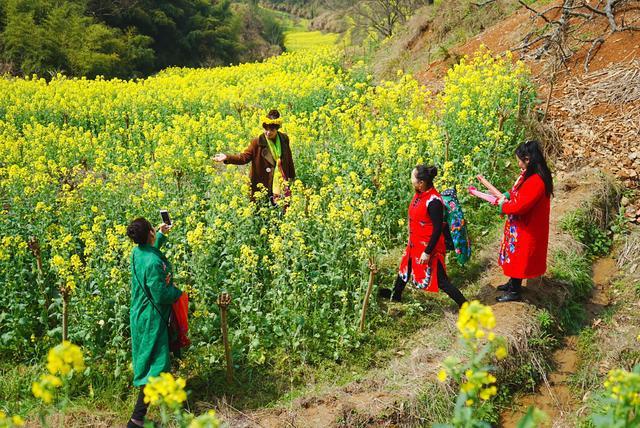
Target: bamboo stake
34 246
65 314
224 300
372 271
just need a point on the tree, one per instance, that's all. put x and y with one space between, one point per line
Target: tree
45 36
184 32
385 15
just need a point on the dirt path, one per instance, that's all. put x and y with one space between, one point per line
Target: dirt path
390 396
555 397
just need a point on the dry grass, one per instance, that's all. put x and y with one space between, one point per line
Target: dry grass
433 31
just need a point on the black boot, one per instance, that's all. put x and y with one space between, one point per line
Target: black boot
509 296
513 293
505 287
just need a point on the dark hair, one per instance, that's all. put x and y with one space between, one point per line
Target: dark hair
426 174
273 114
138 230
531 151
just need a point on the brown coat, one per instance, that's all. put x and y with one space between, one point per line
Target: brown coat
262 163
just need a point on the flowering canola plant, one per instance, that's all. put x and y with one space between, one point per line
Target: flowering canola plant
10 421
165 389
168 393
622 407
81 158
477 385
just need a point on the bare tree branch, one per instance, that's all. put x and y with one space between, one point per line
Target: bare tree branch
595 47
593 9
608 9
538 14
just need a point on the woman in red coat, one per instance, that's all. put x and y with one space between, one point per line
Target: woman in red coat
423 260
523 253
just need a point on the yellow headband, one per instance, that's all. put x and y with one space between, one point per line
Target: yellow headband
269 121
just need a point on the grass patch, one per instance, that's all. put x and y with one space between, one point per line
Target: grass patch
596 241
587 376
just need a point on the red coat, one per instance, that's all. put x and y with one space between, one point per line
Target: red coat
425 276
523 253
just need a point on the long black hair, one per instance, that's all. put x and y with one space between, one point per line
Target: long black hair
531 151
426 173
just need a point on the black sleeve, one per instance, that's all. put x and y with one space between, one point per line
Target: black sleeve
436 213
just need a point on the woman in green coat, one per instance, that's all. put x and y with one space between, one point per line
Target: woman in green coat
152 294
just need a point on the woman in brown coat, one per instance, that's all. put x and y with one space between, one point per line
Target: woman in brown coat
270 157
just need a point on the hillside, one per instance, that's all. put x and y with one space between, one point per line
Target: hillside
589 111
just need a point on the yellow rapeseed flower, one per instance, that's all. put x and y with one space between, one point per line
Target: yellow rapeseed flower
45 387
207 420
65 357
165 389
501 353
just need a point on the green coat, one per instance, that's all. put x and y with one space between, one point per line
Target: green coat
149 333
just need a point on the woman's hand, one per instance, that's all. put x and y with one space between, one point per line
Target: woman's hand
220 157
164 228
424 258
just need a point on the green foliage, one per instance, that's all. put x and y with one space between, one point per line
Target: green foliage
184 32
474 407
272 30
435 404
261 31
47 36
622 403
545 320
575 270
587 373
533 418
114 39
597 241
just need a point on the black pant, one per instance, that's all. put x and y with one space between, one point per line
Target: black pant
516 285
443 284
140 409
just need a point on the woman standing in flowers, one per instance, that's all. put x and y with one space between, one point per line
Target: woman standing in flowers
152 294
523 253
424 256
270 157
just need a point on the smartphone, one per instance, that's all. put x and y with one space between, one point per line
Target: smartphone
165 217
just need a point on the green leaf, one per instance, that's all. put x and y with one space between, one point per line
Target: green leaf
533 418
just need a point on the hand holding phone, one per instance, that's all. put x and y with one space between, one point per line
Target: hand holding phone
165 217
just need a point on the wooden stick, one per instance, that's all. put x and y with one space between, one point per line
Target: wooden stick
372 272
224 300
492 189
65 314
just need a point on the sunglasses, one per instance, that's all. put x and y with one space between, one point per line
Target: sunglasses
271 127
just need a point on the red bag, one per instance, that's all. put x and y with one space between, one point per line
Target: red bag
179 324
